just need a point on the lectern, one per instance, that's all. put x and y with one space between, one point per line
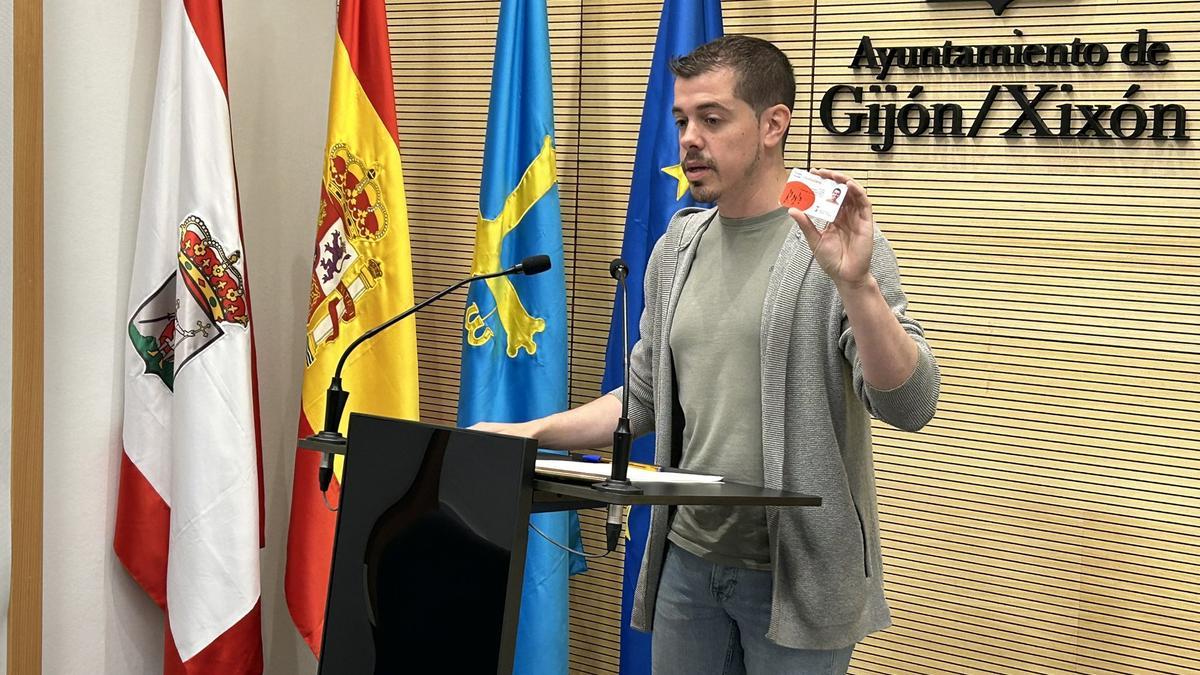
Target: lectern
429 555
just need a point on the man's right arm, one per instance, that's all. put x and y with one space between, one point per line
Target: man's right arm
589 426
592 425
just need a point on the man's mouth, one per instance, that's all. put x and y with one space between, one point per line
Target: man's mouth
695 170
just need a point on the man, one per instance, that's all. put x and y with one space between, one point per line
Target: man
766 345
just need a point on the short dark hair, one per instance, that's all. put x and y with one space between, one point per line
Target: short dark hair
763 72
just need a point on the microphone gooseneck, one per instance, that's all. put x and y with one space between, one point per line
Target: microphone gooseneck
336 397
618 270
618 481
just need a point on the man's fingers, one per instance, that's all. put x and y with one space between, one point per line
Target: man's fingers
810 231
856 194
833 175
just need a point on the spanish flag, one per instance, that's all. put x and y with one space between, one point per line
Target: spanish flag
361 276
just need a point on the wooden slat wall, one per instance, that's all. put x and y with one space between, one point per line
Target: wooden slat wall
1046 521
26 441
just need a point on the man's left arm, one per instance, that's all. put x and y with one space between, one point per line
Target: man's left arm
887 353
894 370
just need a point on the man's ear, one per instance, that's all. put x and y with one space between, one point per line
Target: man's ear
774 123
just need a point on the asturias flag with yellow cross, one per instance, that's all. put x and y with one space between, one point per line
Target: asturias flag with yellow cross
514 363
362 276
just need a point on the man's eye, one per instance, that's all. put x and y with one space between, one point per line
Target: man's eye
679 124
712 121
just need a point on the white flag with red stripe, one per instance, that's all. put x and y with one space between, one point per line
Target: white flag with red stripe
189 520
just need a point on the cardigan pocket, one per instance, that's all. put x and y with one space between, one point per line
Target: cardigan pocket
862 531
818 572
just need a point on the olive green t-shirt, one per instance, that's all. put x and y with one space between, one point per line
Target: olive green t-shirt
715 342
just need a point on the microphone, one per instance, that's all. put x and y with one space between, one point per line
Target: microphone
618 270
335 396
618 481
534 264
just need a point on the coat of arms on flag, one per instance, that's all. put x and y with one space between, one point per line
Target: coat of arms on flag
170 328
353 212
361 277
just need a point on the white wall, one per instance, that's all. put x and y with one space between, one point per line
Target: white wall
99 72
100 61
6 238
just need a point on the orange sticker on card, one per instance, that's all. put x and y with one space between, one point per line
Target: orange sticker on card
797 195
819 198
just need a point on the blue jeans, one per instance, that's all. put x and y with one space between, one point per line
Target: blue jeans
710 619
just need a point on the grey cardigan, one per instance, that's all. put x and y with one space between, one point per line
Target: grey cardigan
826 562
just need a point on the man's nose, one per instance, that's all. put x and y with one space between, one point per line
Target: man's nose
690 137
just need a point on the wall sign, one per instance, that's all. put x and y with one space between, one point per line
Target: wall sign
874 111
998 6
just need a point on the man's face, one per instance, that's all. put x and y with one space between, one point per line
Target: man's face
719 136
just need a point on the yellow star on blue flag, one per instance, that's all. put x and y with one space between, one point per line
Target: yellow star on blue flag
676 171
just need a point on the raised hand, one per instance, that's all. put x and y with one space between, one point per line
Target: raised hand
843 249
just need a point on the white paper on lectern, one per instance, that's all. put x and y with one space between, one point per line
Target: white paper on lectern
636 475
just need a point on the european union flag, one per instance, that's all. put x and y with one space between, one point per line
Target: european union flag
514 363
659 190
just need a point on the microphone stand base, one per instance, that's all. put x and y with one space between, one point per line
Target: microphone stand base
612 528
326 441
618 487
